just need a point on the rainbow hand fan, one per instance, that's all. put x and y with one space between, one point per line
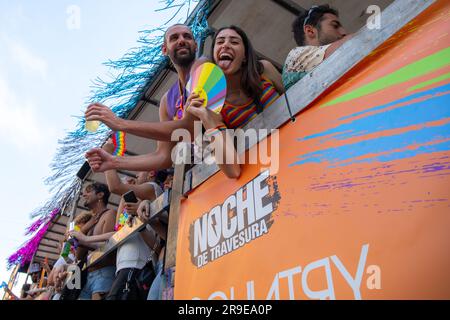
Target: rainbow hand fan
209 82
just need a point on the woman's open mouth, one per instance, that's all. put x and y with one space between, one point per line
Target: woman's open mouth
225 60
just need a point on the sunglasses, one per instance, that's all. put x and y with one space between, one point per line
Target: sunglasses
308 17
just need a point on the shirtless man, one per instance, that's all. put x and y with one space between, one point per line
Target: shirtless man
101 276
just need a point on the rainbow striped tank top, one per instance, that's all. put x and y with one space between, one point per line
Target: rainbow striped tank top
239 116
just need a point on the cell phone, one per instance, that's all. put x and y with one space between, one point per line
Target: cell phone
130 197
82 173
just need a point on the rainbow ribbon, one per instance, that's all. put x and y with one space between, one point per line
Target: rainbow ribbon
119 143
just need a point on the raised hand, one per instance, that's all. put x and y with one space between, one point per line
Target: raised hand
100 160
132 208
194 100
78 235
100 112
109 146
195 108
144 211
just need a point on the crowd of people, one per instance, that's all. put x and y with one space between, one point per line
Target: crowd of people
136 270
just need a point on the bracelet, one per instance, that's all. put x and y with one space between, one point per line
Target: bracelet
214 131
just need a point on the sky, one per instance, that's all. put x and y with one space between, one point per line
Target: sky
50 51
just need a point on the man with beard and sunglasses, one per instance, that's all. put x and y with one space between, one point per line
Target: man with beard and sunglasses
318 33
180 47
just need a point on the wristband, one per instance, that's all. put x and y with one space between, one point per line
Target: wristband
214 131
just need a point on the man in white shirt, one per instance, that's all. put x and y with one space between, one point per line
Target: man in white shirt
318 33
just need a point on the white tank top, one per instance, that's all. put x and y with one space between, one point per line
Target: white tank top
135 253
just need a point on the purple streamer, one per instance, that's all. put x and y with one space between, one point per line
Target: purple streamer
35 226
26 252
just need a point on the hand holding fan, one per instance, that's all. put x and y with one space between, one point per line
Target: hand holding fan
209 82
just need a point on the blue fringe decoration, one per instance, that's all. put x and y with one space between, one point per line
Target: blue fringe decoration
122 93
